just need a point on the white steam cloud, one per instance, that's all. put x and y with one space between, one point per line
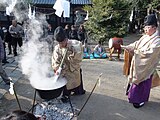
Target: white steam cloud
35 59
11 4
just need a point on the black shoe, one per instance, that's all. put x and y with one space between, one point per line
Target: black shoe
64 99
9 53
83 92
5 61
79 93
138 105
15 54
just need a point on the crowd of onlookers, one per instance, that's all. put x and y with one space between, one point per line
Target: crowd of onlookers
12 36
76 33
80 34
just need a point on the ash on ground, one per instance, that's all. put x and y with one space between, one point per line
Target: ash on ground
55 110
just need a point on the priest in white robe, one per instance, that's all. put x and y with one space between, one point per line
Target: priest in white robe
146 56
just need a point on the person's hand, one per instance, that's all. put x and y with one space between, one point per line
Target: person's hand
123 47
126 48
56 71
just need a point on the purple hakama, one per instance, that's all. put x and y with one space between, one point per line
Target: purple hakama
140 93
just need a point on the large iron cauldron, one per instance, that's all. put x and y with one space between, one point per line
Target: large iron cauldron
50 94
50 90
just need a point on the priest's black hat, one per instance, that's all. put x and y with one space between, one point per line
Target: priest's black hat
150 20
59 34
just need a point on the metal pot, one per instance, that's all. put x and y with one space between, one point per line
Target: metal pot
50 90
50 94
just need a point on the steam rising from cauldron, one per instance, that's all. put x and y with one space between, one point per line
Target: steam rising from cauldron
35 59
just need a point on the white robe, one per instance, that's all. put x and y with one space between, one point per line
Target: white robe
71 67
145 59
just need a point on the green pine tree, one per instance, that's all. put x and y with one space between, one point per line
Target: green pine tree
107 19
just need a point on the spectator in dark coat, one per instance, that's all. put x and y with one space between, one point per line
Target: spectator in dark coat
81 34
3 74
67 30
2 34
73 33
8 40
